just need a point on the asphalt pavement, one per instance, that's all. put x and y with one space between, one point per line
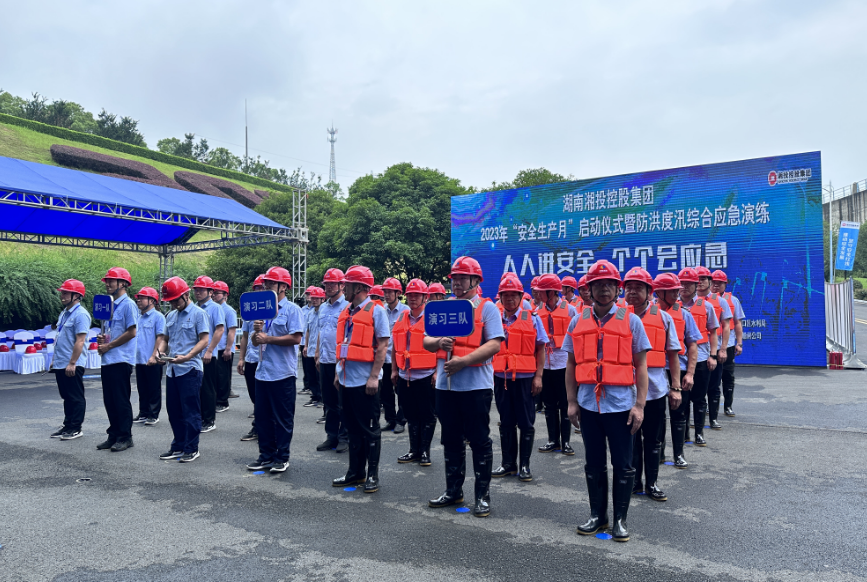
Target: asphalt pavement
778 494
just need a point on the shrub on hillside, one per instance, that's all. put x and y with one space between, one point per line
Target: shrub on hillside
111 166
263 194
216 187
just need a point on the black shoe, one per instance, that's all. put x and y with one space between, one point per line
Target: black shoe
321 420
151 421
279 467
524 474
389 426
424 459
568 450
341 447
56 434
655 493
170 455
71 435
222 408
347 480
445 500
259 465
106 444
699 441
549 447
680 462
250 436
139 419
121 445
619 531
482 507
399 428
597 491
637 487
728 411
233 394
714 424
410 457
208 427
310 403
326 446
371 485
504 471
592 526
305 391
190 457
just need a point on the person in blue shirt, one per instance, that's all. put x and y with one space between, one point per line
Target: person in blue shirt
305 313
609 412
70 358
724 314
276 375
735 345
202 289
394 417
362 336
336 437
248 361
308 351
226 347
118 351
187 334
464 391
148 368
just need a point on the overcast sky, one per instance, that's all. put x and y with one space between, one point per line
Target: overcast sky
478 90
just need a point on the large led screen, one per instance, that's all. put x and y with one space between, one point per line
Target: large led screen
758 220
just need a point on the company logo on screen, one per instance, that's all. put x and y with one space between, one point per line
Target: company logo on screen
789 176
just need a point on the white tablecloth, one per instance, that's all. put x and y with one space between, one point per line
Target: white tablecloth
94 360
48 357
7 361
28 364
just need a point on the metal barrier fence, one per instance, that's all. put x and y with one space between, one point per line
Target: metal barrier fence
840 321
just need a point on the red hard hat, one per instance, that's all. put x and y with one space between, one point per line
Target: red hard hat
416 286
309 290
582 282
720 276
639 274
666 282
466 266
30 350
511 284
203 282
436 288
118 273
376 291
359 274
317 292
602 270
93 346
259 281
703 272
480 290
534 283
333 276
221 286
528 297
393 284
174 288
688 275
570 282
148 292
278 274
3 348
549 282
73 286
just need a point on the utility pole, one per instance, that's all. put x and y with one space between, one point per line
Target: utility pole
332 170
246 141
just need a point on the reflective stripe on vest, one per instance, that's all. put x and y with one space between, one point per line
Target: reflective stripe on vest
415 357
361 345
557 320
679 325
654 327
614 341
518 353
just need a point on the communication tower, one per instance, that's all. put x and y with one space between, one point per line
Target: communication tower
332 170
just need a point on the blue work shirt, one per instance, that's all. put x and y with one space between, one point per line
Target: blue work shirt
216 316
393 316
124 317
739 315
476 377
353 374
614 398
329 313
412 375
657 380
183 329
281 362
231 321
150 325
556 358
311 331
691 335
712 324
305 312
70 324
251 355
541 338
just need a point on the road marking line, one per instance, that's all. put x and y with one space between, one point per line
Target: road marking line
861 321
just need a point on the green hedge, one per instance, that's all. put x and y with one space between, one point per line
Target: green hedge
132 150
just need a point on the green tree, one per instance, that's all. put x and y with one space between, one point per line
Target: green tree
124 129
532 177
223 158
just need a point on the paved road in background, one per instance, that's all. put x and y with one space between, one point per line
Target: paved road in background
779 494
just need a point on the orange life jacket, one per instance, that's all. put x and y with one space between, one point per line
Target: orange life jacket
699 314
360 347
679 325
654 327
621 302
728 297
576 302
615 367
415 357
466 345
518 352
558 320
377 302
714 300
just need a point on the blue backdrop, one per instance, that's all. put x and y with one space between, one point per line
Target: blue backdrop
758 220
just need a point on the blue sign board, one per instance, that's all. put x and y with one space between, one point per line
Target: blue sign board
449 318
258 305
103 307
759 221
847 242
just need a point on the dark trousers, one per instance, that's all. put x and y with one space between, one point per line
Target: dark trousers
387 397
416 401
149 381
224 379
72 392
596 428
360 416
713 383
208 393
311 378
250 381
465 415
645 449
698 396
184 409
556 406
275 418
332 399
728 378
678 418
116 390
515 402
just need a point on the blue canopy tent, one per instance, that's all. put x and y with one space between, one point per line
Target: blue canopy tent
48 205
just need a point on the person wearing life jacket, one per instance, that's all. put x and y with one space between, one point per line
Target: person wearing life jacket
464 389
70 359
336 437
534 291
226 347
436 292
706 321
584 291
394 417
148 368
248 361
311 336
723 312
606 385
412 373
556 315
202 290
735 345
569 287
662 357
666 286
362 338
377 294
